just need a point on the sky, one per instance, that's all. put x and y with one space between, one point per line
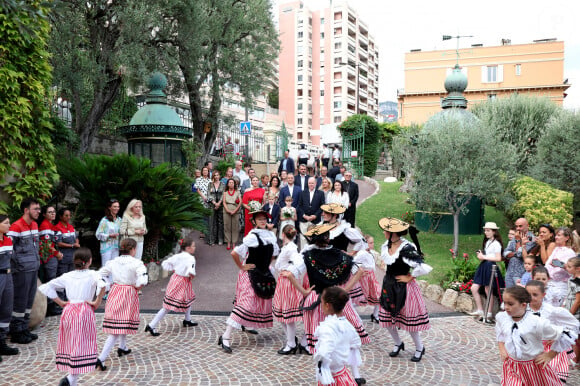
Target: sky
400 26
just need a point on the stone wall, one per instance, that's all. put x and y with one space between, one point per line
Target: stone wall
109 145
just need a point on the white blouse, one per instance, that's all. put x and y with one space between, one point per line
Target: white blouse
524 342
558 316
492 247
364 260
351 233
251 241
419 269
183 264
338 345
80 286
125 270
287 257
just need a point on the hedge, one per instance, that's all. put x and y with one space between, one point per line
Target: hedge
541 203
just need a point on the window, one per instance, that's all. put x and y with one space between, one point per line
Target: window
322 35
299 50
309 93
310 65
300 21
492 74
337 105
518 69
321 92
310 78
299 135
310 121
300 63
310 20
300 34
338 90
491 97
299 92
299 121
300 77
299 106
310 35
337 119
321 20
337 46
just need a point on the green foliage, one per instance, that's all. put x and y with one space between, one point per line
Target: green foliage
28 167
519 120
274 98
223 165
165 191
404 148
389 131
462 268
541 203
558 160
372 144
192 152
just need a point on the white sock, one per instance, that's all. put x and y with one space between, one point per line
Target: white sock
395 335
418 342
291 335
160 315
376 312
73 379
227 335
123 342
109 344
355 371
188 314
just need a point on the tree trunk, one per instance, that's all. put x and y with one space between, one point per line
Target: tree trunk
456 232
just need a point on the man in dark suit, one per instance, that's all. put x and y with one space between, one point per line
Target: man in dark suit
289 190
351 188
334 170
287 164
273 210
323 174
302 178
309 210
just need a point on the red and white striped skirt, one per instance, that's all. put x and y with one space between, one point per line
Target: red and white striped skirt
342 377
523 373
76 351
366 291
413 316
357 295
560 362
179 294
250 310
313 318
122 310
286 302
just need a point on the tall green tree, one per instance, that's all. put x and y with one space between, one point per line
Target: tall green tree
372 140
459 160
520 120
558 160
405 155
27 167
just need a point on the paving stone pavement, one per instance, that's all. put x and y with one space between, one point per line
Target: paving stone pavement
459 351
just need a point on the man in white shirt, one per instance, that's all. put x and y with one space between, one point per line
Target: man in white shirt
336 153
326 154
240 173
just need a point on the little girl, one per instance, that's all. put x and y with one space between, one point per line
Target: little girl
558 316
529 263
287 215
287 299
121 318
338 343
76 351
572 301
179 294
520 335
540 273
367 290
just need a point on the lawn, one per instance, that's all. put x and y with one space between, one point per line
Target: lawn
390 202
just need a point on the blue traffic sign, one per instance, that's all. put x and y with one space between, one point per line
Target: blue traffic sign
246 128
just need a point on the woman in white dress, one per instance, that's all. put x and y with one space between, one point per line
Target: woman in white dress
133 225
338 196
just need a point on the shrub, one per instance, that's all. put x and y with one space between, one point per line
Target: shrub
372 143
541 203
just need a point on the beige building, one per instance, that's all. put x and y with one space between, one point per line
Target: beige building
328 67
492 72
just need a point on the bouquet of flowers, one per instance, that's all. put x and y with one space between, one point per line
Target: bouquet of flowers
287 213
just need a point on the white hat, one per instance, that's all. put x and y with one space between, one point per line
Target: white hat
490 225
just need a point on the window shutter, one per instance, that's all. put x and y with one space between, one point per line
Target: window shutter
484 74
500 73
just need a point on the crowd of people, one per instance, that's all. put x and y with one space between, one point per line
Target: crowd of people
541 298
292 194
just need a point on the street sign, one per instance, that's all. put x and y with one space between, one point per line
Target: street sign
246 128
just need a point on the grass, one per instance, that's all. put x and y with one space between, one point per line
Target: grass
389 202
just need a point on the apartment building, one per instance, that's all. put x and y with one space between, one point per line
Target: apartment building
328 67
536 68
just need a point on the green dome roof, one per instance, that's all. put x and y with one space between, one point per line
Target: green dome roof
456 81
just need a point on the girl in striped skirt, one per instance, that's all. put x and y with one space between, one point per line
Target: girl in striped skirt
558 316
402 305
368 286
520 334
287 299
121 318
256 284
76 351
179 295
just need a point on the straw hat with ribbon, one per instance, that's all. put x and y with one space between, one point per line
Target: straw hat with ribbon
393 225
319 229
333 208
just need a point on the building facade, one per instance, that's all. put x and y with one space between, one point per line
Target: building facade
492 72
328 68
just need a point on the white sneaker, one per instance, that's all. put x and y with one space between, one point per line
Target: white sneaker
476 313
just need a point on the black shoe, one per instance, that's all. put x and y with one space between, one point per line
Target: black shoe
249 330
7 350
418 359
396 352
373 319
303 350
30 334
20 338
121 352
288 352
227 349
152 331
189 323
99 365
360 381
64 382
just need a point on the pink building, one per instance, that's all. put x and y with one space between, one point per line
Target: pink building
329 67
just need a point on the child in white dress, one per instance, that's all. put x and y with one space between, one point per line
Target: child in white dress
338 344
520 334
179 295
76 351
